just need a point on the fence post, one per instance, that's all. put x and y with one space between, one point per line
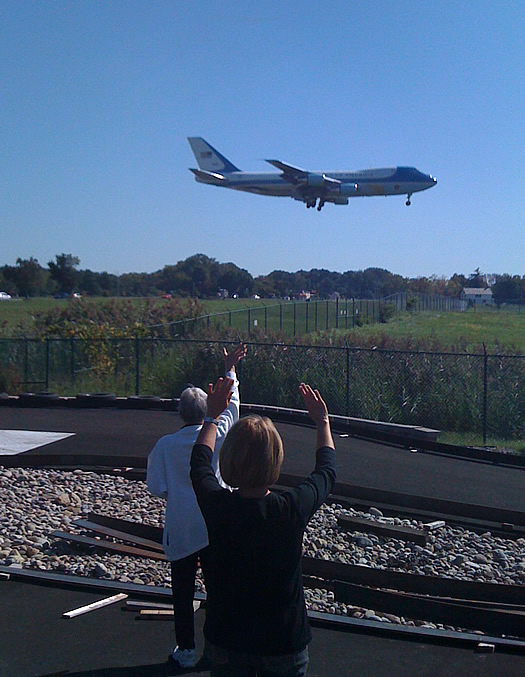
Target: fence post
72 360
316 304
347 404
485 392
280 316
337 313
47 364
327 316
137 365
306 320
265 318
353 312
294 317
26 361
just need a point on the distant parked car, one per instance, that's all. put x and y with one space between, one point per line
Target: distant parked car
4 296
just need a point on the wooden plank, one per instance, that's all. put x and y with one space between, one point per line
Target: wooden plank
139 529
464 616
155 615
426 585
109 545
134 605
138 590
94 605
163 614
115 533
386 530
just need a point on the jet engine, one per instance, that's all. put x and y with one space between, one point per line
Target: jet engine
348 189
315 180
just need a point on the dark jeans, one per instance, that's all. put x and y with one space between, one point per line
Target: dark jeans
226 663
183 589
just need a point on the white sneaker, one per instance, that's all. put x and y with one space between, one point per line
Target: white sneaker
186 658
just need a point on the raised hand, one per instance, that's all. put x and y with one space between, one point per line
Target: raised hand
234 357
219 396
314 403
318 411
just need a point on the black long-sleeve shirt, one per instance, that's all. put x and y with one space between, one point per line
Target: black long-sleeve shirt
254 583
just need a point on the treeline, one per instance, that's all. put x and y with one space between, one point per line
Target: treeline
200 276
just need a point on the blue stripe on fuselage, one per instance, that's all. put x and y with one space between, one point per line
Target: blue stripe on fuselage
380 181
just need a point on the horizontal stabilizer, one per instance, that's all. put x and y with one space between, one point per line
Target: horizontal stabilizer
208 177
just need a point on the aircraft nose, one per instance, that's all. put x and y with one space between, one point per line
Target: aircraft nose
433 179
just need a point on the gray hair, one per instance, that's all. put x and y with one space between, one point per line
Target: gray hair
193 404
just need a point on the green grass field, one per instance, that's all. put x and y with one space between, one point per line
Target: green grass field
467 331
455 331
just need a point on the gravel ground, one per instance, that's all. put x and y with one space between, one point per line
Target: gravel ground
36 502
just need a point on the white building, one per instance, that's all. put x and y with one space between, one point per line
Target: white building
475 296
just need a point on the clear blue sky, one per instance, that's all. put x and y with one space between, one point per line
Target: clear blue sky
97 99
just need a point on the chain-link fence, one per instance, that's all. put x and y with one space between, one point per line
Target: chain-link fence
472 398
291 318
296 318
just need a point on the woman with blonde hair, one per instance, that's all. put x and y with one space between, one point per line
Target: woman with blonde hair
256 621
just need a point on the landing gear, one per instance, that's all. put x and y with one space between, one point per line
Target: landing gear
408 203
310 204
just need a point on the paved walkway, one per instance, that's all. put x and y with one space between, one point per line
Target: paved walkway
369 464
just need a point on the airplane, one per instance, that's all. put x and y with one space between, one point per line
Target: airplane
312 188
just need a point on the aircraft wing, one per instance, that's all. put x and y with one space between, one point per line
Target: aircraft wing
294 173
302 176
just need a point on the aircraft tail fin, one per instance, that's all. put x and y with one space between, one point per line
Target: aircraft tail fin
209 159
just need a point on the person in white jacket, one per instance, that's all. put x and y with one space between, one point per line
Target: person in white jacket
185 538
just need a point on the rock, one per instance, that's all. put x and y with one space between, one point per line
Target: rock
363 542
480 559
100 570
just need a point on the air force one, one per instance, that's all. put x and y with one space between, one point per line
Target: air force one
312 188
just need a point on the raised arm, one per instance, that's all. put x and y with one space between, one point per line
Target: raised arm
318 412
231 414
311 493
219 396
202 475
232 359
